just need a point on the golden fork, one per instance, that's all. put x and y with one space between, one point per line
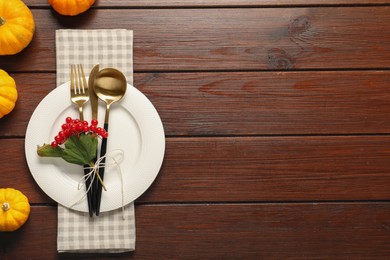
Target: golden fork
79 92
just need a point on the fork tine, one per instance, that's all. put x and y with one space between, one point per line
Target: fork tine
83 81
72 79
79 92
78 80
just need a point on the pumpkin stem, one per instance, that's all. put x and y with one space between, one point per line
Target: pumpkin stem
2 21
5 206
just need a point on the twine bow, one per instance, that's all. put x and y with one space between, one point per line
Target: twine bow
116 156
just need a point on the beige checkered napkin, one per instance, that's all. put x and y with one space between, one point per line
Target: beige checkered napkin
109 232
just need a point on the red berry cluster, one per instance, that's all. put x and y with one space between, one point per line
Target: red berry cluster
76 127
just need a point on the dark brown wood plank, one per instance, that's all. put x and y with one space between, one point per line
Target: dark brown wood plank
243 103
252 231
15 172
249 169
266 231
215 3
277 168
35 240
240 38
270 103
32 88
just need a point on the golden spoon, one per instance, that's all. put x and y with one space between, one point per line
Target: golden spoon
110 87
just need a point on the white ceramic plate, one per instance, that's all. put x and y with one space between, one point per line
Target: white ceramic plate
134 128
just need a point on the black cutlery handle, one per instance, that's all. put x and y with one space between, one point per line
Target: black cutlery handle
94 187
89 192
103 150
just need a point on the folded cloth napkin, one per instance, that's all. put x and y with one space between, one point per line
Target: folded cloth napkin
113 231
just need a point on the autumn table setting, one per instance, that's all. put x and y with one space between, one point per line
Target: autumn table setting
64 145
192 129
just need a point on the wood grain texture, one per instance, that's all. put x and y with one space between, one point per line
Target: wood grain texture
249 169
216 3
276 114
15 172
249 231
240 38
32 88
243 103
274 169
249 103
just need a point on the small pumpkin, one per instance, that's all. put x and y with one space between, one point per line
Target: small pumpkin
8 93
17 26
71 7
14 209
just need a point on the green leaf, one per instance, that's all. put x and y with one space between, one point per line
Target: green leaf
47 150
80 149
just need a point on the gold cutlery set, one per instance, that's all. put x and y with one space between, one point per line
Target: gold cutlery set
108 85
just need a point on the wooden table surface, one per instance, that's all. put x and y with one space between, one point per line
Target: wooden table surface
277 122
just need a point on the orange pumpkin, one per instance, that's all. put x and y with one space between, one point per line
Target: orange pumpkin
8 93
71 7
14 209
16 26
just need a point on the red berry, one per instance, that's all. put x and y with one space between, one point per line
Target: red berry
85 122
102 132
64 126
94 122
79 126
92 128
76 121
67 133
69 120
72 128
58 139
99 130
85 129
61 134
54 144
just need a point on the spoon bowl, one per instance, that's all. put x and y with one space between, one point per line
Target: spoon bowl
110 86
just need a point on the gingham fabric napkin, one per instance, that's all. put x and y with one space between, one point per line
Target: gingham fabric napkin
109 232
